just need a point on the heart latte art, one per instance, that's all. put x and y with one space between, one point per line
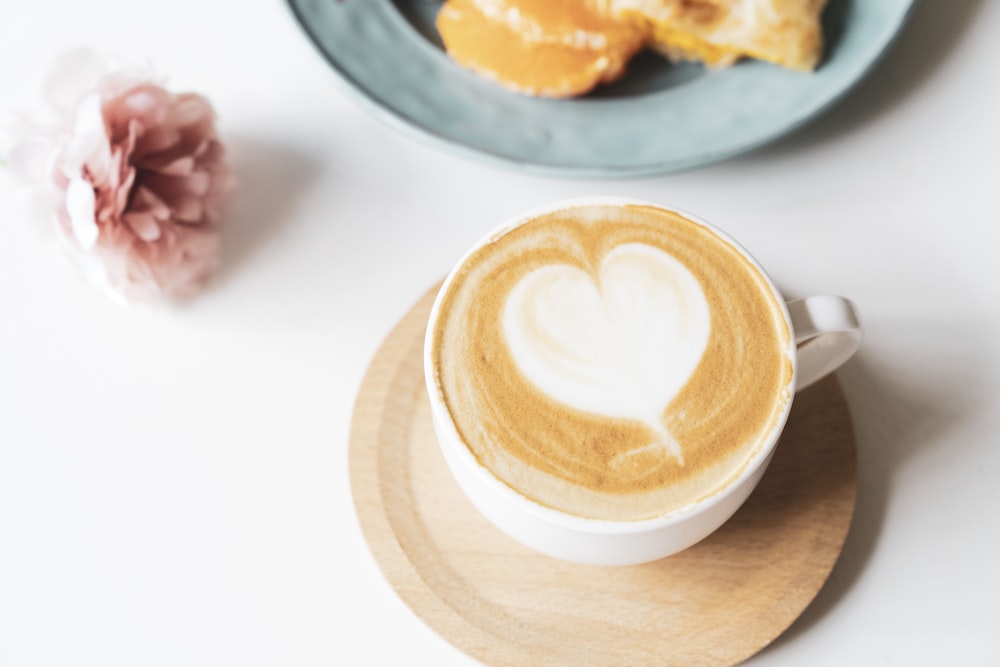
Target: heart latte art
621 346
613 362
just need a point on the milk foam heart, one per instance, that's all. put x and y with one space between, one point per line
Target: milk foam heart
620 344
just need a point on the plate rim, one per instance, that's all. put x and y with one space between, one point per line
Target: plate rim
397 120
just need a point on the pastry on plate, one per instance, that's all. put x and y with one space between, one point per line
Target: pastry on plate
720 32
553 48
563 48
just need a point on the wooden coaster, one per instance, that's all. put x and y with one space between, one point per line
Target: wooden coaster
716 603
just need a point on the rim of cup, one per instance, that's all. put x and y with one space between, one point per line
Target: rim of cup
443 419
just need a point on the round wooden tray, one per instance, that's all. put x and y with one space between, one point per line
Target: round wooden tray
716 603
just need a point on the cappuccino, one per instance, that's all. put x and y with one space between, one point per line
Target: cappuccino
610 361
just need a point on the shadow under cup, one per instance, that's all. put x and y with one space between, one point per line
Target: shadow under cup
614 264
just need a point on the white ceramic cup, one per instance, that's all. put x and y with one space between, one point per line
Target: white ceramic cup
826 332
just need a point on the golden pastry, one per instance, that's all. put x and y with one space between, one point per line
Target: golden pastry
720 32
553 48
563 48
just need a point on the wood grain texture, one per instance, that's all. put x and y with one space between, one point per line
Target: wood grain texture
716 603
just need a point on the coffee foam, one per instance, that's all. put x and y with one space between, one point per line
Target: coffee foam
613 362
620 344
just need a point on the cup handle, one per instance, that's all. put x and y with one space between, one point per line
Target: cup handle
827 333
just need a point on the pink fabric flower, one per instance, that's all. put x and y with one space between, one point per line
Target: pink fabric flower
139 175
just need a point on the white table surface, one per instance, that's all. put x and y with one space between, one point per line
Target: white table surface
173 483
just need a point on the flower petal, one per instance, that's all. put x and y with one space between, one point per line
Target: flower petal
172 188
190 109
89 142
80 207
146 200
188 210
143 224
179 167
121 176
139 102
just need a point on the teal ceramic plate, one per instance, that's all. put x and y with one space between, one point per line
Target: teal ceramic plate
658 118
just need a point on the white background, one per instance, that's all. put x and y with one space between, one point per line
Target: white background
173 483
